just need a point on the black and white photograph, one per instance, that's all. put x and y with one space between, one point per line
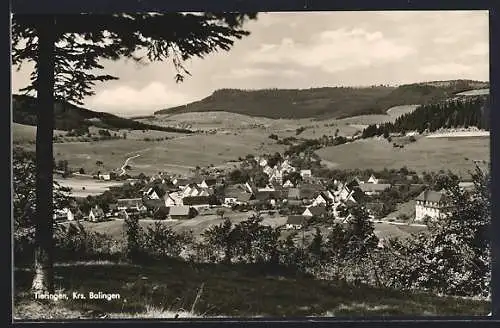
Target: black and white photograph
198 165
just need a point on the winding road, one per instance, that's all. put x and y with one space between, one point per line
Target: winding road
126 163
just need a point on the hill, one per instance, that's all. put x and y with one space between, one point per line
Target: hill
68 117
324 103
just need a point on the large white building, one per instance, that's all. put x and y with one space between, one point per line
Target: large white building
433 204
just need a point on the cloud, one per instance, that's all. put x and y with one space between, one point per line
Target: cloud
446 69
125 99
478 49
246 73
450 39
334 50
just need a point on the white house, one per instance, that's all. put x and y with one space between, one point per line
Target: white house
152 194
64 214
305 173
372 179
263 162
288 184
106 177
433 204
320 200
268 170
169 200
96 214
267 188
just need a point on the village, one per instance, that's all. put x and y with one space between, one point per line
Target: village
281 190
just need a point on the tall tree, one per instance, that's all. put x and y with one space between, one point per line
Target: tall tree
66 50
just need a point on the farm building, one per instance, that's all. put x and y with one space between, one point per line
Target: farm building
199 200
236 195
130 204
371 189
288 184
64 214
295 222
182 212
305 173
433 204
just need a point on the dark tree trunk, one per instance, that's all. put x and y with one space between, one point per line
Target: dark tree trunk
43 279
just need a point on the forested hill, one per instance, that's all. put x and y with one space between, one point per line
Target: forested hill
324 103
458 113
68 117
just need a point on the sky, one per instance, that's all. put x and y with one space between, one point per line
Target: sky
305 50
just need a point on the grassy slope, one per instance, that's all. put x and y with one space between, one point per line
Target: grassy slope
236 290
176 155
426 154
321 102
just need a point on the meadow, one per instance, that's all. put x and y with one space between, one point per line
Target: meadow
426 154
86 187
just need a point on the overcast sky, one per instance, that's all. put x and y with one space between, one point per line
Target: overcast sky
310 49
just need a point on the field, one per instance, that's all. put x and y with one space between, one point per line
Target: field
22 133
178 155
426 154
92 187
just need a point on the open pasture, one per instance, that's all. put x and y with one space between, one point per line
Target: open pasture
178 155
426 154
22 133
92 187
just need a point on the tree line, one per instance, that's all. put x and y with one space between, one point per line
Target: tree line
447 115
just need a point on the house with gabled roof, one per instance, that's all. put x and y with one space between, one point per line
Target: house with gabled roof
371 189
65 214
288 184
208 183
432 204
236 195
372 179
321 199
134 204
96 214
315 211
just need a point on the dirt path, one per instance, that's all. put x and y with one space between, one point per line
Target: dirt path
126 163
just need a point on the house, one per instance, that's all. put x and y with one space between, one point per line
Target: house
105 177
276 176
198 201
321 199
269 187
208 183
295 222
181 182
305 173
182 212
134 204
265 197
263 162
268 170
154 192
288 184
315 211
96 214
433 204
168 200
371 189
236 195
152 204
66 214
372 179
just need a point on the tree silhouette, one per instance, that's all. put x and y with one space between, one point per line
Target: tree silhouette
66 50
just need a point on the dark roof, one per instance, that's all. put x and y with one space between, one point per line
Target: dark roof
367 187
153 203
196 200
179 210
263 195
129 202
295 202
210 181
431 196
317 210
183 182
296 219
